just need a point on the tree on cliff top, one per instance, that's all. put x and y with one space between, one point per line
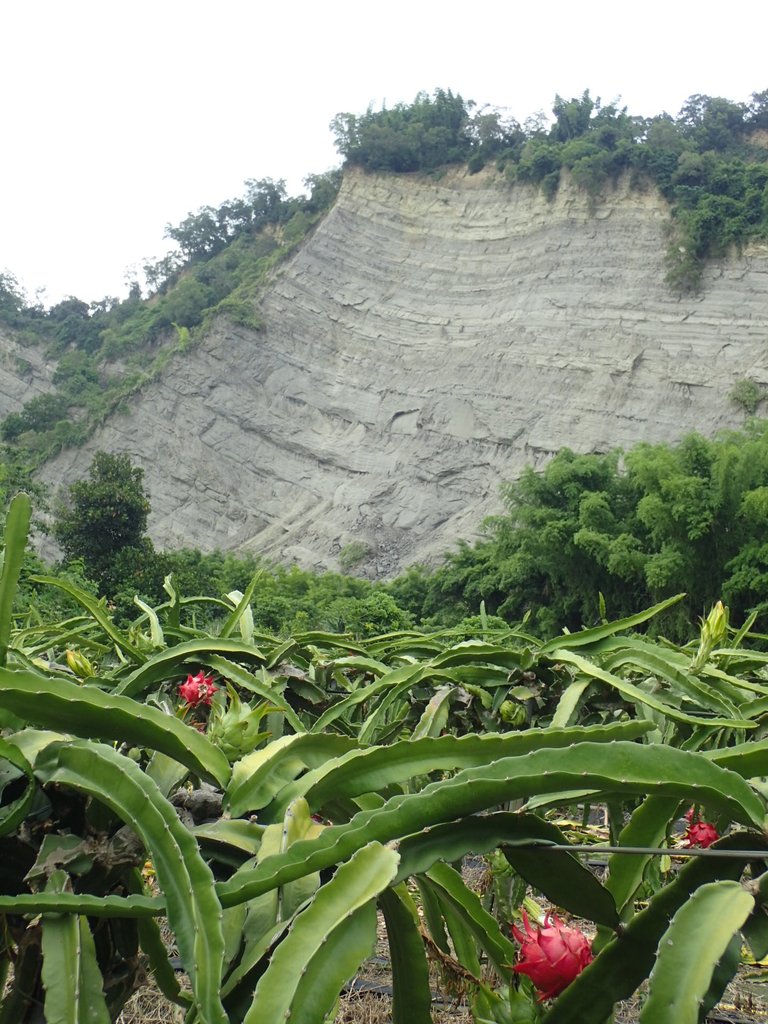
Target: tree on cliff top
416 136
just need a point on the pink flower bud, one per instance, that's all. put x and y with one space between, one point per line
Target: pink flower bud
552 955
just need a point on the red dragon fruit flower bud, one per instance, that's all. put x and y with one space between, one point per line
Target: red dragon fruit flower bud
701 834
552 955
198 689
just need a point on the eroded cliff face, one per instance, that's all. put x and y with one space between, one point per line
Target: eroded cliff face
24 373
428 341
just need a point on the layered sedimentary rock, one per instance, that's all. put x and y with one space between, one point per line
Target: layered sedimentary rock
24 373
427 341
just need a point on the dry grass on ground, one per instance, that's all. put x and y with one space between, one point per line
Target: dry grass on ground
149 1006
367 1009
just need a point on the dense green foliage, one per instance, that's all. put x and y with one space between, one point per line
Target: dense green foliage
288 599
424 135
634 528
104 515
709 162
262 797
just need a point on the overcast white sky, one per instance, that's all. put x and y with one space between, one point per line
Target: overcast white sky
119 117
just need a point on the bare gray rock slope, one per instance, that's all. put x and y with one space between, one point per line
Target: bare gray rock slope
429 340
24 373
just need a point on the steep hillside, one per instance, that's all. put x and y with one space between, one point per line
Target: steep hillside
427 341
24 373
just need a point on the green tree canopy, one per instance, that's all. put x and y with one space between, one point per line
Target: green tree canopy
414 136
636 527
104 514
